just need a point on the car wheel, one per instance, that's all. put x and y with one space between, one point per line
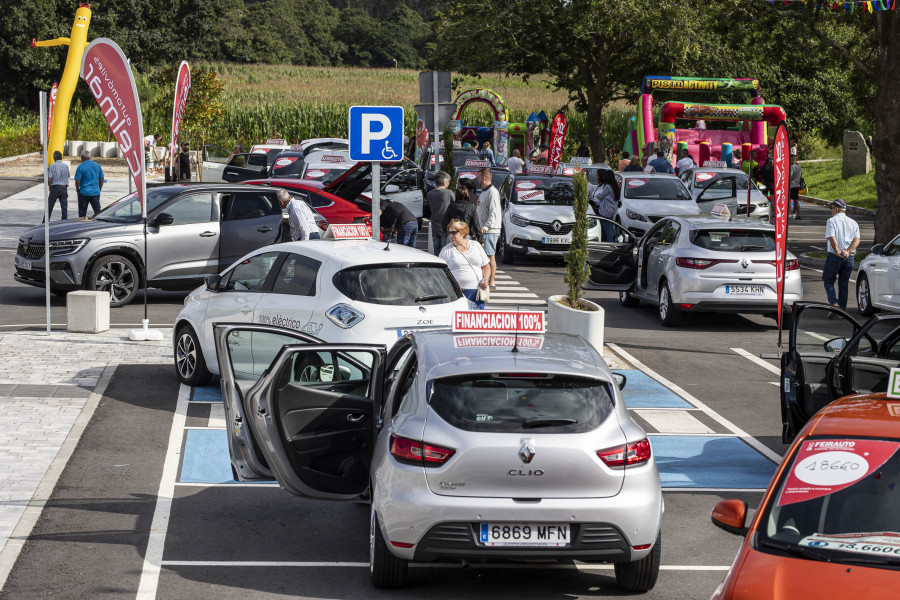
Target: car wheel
388 571
189 362
864 296
506 255
668 312
626 298
118 276
640 575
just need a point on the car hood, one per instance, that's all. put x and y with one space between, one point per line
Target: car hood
76 228
544 213
665 208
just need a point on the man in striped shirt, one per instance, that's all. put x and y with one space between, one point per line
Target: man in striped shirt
58 176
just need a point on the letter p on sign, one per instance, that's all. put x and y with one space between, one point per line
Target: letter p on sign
376 133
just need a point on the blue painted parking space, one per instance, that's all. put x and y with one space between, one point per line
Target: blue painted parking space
695 461
206 457
211 392
642 391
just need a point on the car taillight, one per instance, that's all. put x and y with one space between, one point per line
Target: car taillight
700 263
634 453
790 264
419 453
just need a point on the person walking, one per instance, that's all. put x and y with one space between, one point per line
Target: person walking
686 161
58 178
660 164
88 184
604 199
463 209
490 216
584 150
842 237
300 217
796 177
767 175
736 159
438 200
396 216
515 163
467 261
184 163
487 154
634 164
624 161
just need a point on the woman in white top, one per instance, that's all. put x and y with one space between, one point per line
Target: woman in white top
467 261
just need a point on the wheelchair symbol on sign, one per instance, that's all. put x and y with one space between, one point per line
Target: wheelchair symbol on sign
388 153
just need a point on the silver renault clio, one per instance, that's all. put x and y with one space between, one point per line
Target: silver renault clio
471 447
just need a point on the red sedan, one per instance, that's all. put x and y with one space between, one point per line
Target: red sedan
333 208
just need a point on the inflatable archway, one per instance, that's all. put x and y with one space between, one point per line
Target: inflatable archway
77 42
501 118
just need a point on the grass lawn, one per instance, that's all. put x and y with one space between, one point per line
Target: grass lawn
824 182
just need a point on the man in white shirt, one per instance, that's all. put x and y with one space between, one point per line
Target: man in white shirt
488 211
300 217
515 163
842 237
686 162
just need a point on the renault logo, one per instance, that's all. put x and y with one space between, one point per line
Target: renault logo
557 226
526 452
744 263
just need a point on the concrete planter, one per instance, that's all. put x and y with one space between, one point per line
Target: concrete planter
109 149
75 148
587 324
92 148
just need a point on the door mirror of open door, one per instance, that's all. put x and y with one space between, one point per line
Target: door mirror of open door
835 345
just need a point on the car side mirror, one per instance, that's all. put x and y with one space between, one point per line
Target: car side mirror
214 283
835 346
391 189
877 248
620 380
730 515
161 219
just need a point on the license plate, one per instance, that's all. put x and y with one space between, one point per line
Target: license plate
524 534
745 290
23 264
557 239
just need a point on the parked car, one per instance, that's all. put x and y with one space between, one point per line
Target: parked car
645 198
192 231
831 355
399 184
696 264
711 186
828 525
878 279
333 209
590 171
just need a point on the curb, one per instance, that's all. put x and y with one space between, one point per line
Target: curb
7 159
854 210
818 263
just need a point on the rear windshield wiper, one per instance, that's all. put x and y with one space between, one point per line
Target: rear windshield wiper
748 247
547 422
431 297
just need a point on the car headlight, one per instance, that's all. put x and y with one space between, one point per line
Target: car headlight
518 220
63 247
763 205
634 216
593 223
344 316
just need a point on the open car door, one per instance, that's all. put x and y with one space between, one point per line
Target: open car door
818 334
864 363
244 167
213 164
720 191
309 415
612 258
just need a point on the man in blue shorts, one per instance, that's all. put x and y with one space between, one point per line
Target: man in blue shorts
489 214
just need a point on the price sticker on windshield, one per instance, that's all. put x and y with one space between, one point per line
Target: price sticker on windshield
893 390
525 185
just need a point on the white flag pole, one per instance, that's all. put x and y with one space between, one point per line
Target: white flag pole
42 100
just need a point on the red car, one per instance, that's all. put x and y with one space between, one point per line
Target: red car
333 208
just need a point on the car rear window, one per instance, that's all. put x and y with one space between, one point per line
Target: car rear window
734 240
522 403
655 188
399 284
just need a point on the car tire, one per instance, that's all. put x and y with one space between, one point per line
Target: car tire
626 298
117 275
864 296
189 362
640 575
506 255
669 314
388 572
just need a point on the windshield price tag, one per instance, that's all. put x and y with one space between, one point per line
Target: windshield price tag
880 543
332 158
893 390
583 160
470 321
476 163
721 211
545 169
532 196
714 164
275 142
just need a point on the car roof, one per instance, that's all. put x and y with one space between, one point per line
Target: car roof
860 415
597 166
736 222
629 174
216 187
559 353
356 252
728 170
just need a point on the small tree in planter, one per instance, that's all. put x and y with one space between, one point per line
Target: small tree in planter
577 257
448 156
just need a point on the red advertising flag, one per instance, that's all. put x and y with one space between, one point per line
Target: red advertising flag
557 138
108 75
782 182
50 110
182 87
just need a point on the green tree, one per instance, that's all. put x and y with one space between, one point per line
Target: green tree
448 166
204 105
577 256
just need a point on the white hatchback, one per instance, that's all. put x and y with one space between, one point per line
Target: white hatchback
645 198
878 281
349 291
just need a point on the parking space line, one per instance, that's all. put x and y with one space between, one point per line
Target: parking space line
365 565
217 416
746 437
672 421
159 526
757 360
234 484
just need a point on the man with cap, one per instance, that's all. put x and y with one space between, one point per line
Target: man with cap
842 237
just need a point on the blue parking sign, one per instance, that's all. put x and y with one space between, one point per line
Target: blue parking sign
376 133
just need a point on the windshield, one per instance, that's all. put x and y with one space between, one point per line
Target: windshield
287 166
399 284
655 188
554 191
839 501
326 175
702 179
498 177
734 240
509 402
128 209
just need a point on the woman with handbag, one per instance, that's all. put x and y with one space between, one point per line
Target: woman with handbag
468 263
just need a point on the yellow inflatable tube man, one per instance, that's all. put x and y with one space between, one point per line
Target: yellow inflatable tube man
77 42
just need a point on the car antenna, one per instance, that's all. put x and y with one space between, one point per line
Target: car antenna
515 347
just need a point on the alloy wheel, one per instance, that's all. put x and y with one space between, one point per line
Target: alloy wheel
664 303
117 278
186 355
862 294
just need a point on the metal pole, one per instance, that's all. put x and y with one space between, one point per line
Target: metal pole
437 126
42 100
376 201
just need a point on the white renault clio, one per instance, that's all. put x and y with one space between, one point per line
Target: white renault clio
347 291
484 447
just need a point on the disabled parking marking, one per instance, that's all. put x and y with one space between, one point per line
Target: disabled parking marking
208 393
642 391
703 462
206 458
666 420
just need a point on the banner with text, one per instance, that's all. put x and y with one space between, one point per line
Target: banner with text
52 103
782 180
557 138
182 87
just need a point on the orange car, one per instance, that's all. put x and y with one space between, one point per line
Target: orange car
829 524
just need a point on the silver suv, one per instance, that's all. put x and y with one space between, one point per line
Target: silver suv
192 232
